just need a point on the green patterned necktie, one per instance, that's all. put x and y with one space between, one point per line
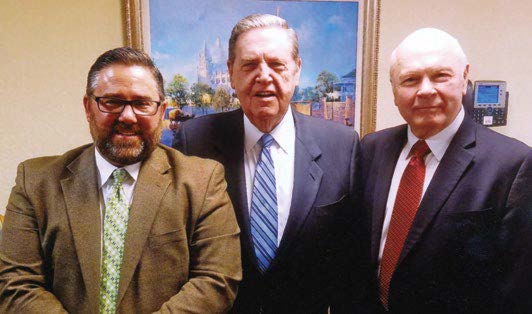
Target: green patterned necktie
114 235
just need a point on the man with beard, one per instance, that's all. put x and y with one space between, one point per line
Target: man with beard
124 224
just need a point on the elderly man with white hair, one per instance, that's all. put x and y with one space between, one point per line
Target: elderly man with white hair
451 213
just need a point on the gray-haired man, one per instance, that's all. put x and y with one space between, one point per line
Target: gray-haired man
290 177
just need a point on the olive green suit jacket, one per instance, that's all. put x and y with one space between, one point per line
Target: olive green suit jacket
181 253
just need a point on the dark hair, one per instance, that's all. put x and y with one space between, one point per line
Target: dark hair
259 21
124 56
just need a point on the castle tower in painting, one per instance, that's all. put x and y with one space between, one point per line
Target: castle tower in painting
212 67
204 65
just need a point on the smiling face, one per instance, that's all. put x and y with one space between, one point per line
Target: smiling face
264 75
428 80
124 138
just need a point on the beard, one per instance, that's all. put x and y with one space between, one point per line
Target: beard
125 151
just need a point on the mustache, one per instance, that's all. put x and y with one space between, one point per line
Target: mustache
119 127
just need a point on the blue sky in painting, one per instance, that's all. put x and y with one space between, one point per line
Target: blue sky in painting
326 31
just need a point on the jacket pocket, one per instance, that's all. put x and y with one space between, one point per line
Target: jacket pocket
330 209
168 237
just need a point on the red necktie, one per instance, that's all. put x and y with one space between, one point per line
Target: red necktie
404 210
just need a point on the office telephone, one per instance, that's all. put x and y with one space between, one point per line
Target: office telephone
490 103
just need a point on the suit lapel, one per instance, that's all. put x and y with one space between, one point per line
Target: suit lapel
385 168
83 208
453 165
153 181
307 178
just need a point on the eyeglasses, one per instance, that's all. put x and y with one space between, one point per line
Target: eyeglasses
116 105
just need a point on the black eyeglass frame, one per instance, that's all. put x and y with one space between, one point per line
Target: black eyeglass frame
126 103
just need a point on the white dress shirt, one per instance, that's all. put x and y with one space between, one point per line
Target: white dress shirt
105 182
282 151
438 144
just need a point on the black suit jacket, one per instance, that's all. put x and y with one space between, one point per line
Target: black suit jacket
465 252
318 263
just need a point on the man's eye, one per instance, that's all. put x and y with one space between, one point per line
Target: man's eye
248 65
409 80
277 65
142 104
439 77
112 102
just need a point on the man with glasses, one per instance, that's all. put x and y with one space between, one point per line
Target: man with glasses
124 224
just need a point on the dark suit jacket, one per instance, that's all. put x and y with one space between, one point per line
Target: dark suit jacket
315 256
465 250
181 252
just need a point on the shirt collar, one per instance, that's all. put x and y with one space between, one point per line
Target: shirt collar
282 133
439 142
105 169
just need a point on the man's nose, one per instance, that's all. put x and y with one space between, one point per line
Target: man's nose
427 87
264 73
128 115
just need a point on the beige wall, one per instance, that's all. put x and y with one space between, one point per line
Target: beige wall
495 35
47 48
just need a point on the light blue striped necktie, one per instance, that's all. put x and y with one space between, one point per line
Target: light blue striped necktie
264 206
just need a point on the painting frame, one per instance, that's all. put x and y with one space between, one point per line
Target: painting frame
136 32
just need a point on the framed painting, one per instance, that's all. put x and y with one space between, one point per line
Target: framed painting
338 44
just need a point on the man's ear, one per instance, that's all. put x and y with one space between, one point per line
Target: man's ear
230 70
86 104
466 79
298 70
163 106
392 84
